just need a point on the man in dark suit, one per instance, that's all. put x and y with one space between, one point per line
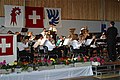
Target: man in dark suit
111 34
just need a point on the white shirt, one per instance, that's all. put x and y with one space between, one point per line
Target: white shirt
21 46
67 41
53 29
43 33
39 42
75 44
49 45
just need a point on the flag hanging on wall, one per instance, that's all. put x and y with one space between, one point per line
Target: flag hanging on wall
14 16
8 47
52 16
34 17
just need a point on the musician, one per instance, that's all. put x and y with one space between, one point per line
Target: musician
103 36
48 43
53 28
111 34
82 39
52 47
85 32
44 32
30 34
75 43
53 32
39 42
23 48
60 41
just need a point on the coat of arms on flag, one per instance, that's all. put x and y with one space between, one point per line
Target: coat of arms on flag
34 17
8 47
14 16
53 16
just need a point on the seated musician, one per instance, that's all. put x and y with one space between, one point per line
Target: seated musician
44 32
48 43
74 42
82 39
103 36
23 48
53 28
53 31
30 34
60 41
51 46
38 41
93 43
85 32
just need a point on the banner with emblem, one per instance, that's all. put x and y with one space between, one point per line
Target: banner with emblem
34 17
52 16
14 16
8 48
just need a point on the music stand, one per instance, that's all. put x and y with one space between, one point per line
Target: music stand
88 42
24 31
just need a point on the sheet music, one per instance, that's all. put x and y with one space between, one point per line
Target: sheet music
88 42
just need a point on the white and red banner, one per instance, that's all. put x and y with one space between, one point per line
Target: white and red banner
34 17
52 16
8 48
14 16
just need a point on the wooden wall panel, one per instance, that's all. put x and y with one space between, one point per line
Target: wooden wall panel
69 9
74 9
112 10
93 9
64 9
9 2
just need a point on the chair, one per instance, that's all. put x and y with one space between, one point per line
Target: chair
21 58
49 53
41 52
76 52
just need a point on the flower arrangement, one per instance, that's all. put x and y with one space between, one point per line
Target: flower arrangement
37 63
3 65
81 59
97 59
44 62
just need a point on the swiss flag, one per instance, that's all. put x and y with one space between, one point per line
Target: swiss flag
6 45
34 17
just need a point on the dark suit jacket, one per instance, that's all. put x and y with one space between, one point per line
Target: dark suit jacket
111 35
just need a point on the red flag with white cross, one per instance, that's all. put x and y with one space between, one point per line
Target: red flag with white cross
6 45
34 17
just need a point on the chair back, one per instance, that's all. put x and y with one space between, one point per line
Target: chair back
45 49
71 48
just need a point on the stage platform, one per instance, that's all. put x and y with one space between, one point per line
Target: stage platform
53 74
108 69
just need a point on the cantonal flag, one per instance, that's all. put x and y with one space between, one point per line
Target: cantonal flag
14 16
53 16
34 17
8 47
